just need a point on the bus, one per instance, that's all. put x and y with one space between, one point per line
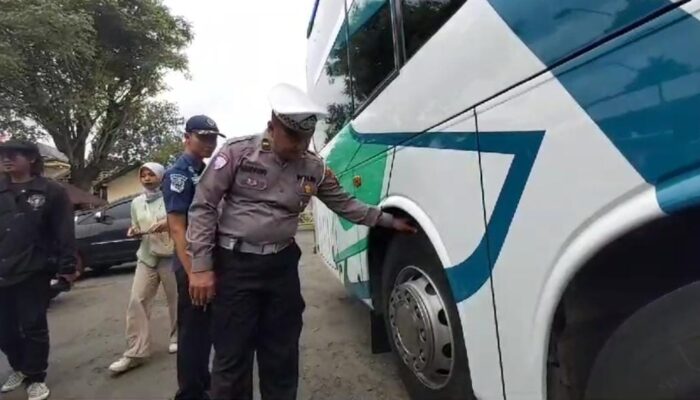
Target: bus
549 152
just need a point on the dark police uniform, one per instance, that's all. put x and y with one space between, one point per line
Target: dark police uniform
250 246
37 239
194 339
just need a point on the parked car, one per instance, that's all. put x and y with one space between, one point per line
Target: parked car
101 236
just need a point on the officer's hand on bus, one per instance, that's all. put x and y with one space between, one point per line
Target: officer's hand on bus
202 287
403 225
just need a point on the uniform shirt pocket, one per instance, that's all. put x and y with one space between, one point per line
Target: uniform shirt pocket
251 181
305 190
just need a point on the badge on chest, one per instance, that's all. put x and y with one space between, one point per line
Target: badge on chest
307 184
36 201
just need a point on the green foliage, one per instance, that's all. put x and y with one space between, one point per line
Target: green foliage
85 73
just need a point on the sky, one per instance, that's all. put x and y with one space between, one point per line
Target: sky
240 50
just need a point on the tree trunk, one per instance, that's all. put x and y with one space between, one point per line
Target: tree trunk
84 177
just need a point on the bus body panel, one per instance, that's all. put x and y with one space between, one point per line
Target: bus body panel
576 174
570 159
586 167
424 164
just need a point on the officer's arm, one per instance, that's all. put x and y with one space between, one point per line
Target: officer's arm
342 203
176 197
62 227
177 224
203 216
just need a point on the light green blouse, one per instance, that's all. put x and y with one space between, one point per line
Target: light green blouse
144 215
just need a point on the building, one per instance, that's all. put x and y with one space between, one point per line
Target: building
56 164
120 184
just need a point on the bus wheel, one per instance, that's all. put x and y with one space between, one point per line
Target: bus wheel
655 354
422 322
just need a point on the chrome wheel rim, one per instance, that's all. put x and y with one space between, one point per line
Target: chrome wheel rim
420 327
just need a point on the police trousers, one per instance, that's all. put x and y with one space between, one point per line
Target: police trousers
194 343
24 330
257 309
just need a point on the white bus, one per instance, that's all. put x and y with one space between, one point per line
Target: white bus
549 151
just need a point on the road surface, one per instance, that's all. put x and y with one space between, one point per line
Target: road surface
87 334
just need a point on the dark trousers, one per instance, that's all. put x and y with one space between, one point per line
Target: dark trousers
193 342
258 308
24 330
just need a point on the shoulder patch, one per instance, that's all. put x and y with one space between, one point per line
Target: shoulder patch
177 183
220 161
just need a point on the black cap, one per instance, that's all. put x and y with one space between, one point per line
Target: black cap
20 145
202 125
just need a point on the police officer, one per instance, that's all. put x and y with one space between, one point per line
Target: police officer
249 264
179 182
37 240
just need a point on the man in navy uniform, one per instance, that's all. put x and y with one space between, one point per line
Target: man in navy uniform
179 182
244 256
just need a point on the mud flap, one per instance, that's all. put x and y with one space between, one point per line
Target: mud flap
380 340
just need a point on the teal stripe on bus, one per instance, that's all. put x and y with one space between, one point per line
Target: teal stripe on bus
642 89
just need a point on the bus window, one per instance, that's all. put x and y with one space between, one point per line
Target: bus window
422 18
334 91
371 46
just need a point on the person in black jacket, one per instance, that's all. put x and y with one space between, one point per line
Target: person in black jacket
37 239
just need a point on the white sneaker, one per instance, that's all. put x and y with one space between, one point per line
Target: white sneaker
15 380
124 364
172 349
38 391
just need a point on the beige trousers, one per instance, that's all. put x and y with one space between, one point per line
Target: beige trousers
138 313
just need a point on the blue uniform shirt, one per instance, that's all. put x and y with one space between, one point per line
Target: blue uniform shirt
178 186
179 183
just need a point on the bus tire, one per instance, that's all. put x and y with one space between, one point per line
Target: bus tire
654 354
422 322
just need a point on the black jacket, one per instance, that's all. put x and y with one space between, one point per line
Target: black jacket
37 231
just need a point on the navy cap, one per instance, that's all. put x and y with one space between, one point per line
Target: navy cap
202 125
20 145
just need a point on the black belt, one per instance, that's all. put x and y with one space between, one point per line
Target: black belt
239 245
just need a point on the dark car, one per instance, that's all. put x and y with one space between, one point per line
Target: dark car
101 236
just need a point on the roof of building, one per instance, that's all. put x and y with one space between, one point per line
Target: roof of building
51 153
80 197
109 176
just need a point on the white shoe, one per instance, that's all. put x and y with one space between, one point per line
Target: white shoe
172 349
38 391
124 364
15 380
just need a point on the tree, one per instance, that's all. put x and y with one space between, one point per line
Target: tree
85 73
154 134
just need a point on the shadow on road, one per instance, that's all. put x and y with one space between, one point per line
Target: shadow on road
117 270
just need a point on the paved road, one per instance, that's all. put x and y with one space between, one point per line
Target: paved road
87 333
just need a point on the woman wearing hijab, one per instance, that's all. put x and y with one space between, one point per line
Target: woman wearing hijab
153 268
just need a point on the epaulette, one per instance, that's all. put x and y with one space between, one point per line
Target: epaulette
239 139
313 155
